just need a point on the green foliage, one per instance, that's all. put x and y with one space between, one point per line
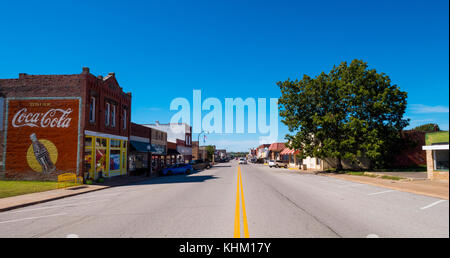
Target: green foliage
348 113
436 137
428 128
210 149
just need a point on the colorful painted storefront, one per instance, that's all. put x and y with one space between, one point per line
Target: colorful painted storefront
105 154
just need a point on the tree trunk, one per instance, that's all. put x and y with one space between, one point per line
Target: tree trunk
339 164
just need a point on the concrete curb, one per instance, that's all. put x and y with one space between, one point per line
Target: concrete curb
12 207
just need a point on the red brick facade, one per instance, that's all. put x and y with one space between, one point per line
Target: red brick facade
412 155
84 86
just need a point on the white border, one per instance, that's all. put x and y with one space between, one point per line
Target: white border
106 135
436 147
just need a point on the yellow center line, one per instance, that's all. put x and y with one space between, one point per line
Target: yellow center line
244 214
237 230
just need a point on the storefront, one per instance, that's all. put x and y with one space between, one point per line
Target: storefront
437 154
172 153
140 150
290 156
104 154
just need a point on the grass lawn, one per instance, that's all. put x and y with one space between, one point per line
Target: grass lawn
10 188
372 175
436 137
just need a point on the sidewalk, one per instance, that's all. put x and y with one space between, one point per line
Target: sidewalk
408 175
19 201
424 187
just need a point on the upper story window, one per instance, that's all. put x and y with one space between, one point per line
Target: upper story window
107 113
92 110
124 119
113 116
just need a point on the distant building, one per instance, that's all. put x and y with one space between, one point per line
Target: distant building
181 134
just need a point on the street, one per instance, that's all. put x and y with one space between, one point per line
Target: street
231 200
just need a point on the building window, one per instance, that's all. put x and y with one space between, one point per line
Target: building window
124 119
92 110
107 112
113 116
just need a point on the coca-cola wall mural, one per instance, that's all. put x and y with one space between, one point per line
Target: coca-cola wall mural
42 137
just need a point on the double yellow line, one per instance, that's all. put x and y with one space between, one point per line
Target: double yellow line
237 221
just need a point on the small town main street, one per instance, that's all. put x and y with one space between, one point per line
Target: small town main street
277 203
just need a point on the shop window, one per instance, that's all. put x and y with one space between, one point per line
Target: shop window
101 143
115 143
440 159
88 160
88 141
100 161
114 160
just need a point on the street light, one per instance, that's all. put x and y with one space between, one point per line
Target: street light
198 138
149 158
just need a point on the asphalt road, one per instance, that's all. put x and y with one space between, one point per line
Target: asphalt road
262 202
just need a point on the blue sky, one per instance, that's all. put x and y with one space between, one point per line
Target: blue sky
161 50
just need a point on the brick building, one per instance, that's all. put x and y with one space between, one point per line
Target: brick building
55 124
145 141
181 134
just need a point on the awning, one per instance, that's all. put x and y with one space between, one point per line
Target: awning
277 147
141 147
171 152
285 152
288 151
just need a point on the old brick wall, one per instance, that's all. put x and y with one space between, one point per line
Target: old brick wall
412 155
83 85
107 90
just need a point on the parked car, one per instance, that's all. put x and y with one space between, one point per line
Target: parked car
199 164
242 161
278 164
177 169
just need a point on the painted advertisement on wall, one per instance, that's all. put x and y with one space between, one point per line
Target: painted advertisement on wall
41 137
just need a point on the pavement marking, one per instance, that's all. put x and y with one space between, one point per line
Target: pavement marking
94 196
237 221
388 191
237 231
72 236
30 218
244 214
350 185
372 236
431 205
55 206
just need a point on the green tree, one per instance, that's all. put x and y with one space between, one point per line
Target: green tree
349 113
428 128
210 149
